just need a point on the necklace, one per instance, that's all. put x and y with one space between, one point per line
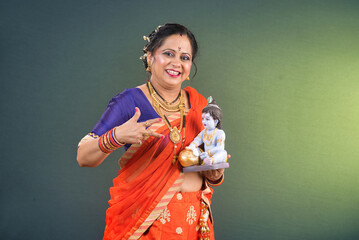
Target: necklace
175 133
179 94
159 100
209 137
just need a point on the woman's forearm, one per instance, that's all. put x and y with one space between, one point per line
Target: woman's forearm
89 154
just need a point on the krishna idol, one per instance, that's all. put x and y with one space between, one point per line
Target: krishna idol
206 151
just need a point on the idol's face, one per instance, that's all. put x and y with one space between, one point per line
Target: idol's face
171 62
208 122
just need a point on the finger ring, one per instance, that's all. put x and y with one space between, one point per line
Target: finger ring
146 134
146 124
140 142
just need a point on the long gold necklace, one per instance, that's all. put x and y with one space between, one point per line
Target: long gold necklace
175 133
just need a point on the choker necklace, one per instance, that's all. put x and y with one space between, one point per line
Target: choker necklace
175 133
164 100
159 100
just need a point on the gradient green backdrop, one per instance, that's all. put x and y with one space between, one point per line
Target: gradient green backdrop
284 72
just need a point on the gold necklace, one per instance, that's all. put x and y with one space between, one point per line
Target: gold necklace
175 133
209 137
158 99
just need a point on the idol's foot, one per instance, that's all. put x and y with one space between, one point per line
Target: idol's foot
207 161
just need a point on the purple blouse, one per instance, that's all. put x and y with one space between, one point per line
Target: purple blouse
121 108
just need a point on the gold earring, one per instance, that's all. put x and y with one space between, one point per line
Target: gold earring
148 69
187 78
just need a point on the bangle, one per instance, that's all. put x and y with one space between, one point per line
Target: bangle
108 143
101 145
217 182
115 139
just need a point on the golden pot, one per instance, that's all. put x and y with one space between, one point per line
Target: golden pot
187 158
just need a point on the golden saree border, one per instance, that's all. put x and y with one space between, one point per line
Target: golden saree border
161 206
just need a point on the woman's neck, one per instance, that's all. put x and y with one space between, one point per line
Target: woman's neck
168 93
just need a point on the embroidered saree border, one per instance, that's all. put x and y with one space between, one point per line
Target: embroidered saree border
161 206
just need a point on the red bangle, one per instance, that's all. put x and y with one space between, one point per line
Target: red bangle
216 183
101 145
108 143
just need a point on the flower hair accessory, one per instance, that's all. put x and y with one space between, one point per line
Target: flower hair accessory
158 28
146 38
143 57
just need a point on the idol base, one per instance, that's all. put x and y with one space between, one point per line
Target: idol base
200 168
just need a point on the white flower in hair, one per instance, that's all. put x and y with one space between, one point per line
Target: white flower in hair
146 38
156 30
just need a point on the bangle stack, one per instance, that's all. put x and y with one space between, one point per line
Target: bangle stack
216 183
108 142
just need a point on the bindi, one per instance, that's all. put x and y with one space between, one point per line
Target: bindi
179 49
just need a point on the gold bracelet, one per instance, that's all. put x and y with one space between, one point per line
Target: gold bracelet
217 182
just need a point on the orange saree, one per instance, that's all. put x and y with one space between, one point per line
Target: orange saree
148 175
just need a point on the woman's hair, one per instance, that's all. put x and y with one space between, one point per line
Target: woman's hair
157 36
215 111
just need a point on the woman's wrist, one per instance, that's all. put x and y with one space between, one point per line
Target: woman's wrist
115 136
217 182
108 142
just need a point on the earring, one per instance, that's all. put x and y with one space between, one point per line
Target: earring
148 69
187 78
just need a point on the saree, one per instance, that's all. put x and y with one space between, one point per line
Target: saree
181 219
148 174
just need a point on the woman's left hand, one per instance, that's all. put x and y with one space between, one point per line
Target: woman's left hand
213 175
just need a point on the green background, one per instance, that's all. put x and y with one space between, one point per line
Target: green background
284 72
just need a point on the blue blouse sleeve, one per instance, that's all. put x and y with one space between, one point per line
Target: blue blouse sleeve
119 110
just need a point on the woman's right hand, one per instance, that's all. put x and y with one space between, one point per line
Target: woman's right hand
132 131
90 155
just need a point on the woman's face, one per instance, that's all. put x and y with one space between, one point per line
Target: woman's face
208 122
171 62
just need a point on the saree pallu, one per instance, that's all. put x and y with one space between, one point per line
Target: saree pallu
148 174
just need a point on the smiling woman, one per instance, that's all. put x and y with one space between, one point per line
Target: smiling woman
171 63
151 198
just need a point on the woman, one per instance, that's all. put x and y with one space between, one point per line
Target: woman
151 198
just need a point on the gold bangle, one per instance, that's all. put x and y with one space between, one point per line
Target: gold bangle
108 144
115 138
109 141
217 182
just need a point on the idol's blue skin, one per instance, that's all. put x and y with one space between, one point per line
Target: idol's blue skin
213 139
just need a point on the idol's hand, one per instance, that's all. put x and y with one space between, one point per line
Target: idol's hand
204 155
213 175
132 132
